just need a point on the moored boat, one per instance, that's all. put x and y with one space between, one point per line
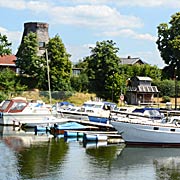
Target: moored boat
148 132
100 111
58 129
143 112
94 111
15 110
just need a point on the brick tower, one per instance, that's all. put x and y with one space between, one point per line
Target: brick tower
41 29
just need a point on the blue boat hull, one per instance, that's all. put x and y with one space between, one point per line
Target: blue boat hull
98 119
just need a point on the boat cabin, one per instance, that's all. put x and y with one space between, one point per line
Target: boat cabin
13 105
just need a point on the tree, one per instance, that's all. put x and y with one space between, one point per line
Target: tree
4 45
166 87
80 83
59 64
169 44
28 61
9 82
102 65
141 70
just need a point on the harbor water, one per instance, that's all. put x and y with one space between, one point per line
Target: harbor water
27 156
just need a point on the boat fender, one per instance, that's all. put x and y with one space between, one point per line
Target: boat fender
55 125
110 116
176 123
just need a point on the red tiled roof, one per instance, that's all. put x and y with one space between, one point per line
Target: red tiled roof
7 60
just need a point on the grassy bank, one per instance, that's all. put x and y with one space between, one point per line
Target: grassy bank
79 98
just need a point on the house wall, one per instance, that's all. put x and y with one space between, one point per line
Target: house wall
136 82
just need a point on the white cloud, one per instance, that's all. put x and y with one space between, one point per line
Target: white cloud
38 6
137 3
145 36
94 17
140 3
16 4
150 3
26 4
13 36
89 45
47 4
78 51
91 16
129 33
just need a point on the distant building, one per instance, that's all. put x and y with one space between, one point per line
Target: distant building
41 29
131 61
8 61
76 71
140 91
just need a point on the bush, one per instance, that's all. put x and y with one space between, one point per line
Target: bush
166 87
166 99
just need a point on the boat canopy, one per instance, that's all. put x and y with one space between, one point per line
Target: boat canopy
71 126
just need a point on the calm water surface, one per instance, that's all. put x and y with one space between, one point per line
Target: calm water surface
28 156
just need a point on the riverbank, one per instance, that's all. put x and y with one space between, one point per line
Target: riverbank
79 98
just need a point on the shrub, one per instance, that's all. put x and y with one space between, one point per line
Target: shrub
166 99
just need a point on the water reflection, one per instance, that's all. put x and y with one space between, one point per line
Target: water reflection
36 155
42 159
25 155
153 163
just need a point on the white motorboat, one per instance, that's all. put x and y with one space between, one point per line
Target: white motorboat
74 112
100 111
13 111
143 112
148 132
94 111
44 122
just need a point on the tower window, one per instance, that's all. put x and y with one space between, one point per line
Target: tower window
41 45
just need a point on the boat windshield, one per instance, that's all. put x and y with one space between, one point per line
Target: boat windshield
152 112
88 105
98 106
5 105
18 106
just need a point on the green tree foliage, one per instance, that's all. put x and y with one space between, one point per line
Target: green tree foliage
80 83
9 82
166 87
28 60
4 45
141 70
101 66
169 44
59 64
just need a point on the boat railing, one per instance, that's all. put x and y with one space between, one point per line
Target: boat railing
161 123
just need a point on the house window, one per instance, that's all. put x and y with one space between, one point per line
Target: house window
41 45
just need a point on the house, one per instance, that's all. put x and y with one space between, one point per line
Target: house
76 71
140 91
131 61
8 61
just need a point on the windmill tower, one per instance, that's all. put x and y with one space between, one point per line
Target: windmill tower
41 29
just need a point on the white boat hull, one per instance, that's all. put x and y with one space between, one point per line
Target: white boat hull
77 116
18 118
149 133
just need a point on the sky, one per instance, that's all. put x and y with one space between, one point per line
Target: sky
131 24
